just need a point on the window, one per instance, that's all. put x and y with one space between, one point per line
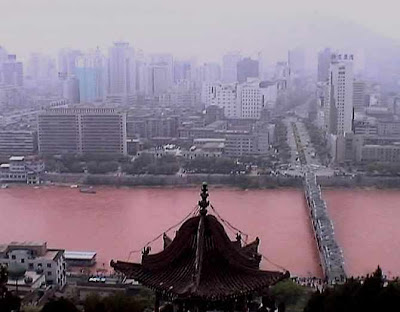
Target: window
49 273
30 265
49 265
22 260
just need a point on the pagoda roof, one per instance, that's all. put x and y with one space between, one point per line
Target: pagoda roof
201 262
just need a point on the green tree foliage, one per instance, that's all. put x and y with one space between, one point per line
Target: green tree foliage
102 167
221 165
318 139
8 302
287 292
281 143
147 163
59 305
117 303
372 295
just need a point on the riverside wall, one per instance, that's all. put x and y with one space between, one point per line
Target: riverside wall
244 181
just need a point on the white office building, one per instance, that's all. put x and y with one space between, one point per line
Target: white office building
223 95
251 99
338 108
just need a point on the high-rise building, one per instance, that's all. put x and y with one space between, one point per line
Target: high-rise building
41 67
324 60
12 71
211 72
71 89
247 68
251 99
183 70
338 110
296 60
224 96
121 70
359 94
66 62
142 74
12 96
20 143
90 71
166 60
82 131
158 79
229 67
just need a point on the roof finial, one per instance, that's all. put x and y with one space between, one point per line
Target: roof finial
204 203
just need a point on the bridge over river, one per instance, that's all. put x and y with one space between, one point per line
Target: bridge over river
331 255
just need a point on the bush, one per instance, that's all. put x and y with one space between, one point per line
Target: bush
102 167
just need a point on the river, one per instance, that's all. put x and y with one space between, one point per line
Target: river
115 221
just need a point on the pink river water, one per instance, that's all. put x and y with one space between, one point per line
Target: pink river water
114 222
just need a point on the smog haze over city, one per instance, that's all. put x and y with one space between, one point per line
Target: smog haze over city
199 155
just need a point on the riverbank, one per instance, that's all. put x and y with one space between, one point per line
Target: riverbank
241 181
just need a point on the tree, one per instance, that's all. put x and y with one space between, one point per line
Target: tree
117 303
102 166
59 305
287 292
355 295
8 302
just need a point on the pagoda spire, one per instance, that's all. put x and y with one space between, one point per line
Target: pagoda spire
204 203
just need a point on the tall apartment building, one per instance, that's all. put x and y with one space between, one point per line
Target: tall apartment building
90 71
66 62
158 79
224 96
183 70
296 60
35 256
359 94
121 71
338 110
142 74
12 96
324 60
82 130
247 68
229 67
41 67
71 90
167 61
210 72
19 143
251 99
12 72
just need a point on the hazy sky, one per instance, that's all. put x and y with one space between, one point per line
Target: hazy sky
206 28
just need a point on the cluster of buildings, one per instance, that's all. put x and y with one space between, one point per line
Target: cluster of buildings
22 169
361 121
116 103
243 100
43 266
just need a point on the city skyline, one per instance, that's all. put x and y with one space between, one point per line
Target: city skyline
183 30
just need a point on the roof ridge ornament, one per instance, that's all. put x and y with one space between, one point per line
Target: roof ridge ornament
204 203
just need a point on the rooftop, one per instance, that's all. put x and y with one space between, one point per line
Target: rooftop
201 262
17 158
79 255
